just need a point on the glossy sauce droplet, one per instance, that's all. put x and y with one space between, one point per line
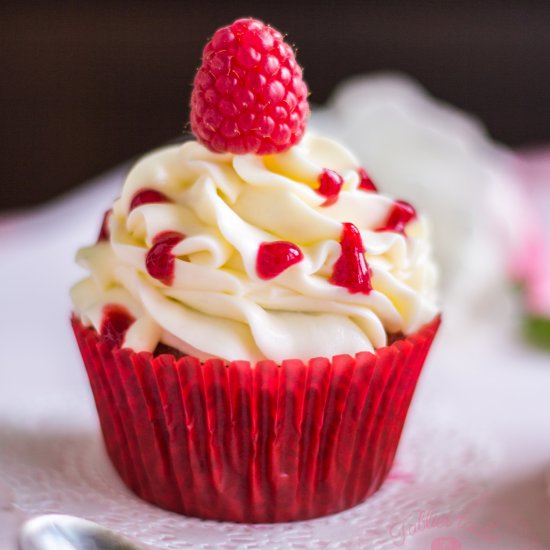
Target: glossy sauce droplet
273 258
330 185
147 196
365 182
104 231
160 261
351 269
400 215
115 321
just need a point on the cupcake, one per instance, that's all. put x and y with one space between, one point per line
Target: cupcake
256 314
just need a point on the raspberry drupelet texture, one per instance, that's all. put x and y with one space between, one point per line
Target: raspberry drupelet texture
248 94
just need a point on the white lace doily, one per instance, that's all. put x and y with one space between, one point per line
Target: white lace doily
439 467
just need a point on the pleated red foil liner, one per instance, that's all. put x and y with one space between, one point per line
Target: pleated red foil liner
262 443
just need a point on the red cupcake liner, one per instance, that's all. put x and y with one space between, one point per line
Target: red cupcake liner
253 443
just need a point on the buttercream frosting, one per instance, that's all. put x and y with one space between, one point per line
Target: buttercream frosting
225 206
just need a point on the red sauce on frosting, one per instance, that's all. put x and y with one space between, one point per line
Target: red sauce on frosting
273 258
351 269
365 182
147 196
160 261
115 321
104 231
330 185
400 215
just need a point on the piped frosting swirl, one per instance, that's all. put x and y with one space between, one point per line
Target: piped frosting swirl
205 220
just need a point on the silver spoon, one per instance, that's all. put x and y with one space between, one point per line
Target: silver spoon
61 532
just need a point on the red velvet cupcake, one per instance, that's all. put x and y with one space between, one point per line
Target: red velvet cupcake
256 314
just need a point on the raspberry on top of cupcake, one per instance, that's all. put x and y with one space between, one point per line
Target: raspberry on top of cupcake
259 239
248 95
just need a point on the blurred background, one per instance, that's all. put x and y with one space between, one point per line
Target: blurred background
87 85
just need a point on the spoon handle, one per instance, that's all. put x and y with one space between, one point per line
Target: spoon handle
62 532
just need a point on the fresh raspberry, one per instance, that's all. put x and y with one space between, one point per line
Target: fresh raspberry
248 95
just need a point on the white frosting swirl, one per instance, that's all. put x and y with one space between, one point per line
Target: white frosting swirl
226 206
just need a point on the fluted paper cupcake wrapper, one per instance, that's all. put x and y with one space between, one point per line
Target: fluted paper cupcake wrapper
253 443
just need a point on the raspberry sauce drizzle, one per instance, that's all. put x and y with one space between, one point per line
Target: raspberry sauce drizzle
351 270
160 262
115 322
365 181
400 215
104 231
273 258
147 196
330 185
